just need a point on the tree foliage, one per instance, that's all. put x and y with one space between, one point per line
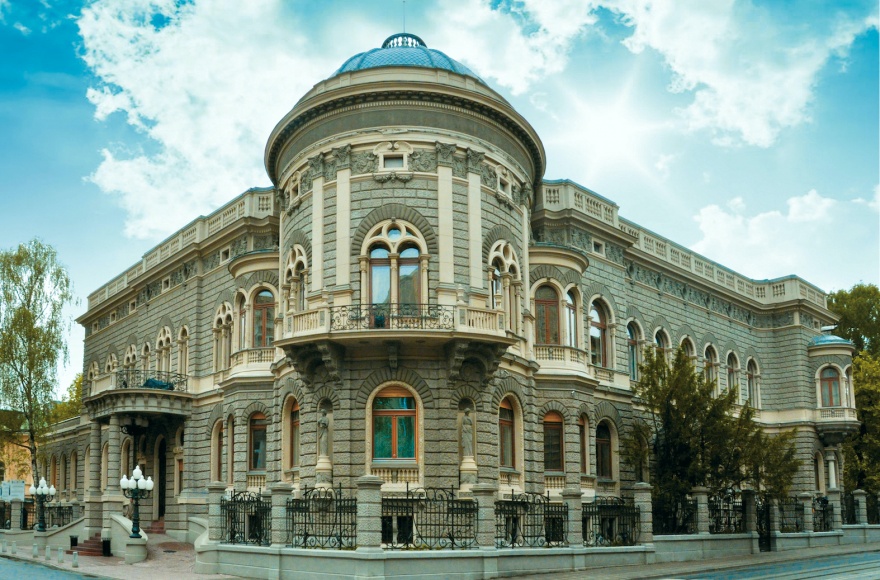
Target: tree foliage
34 289
695 438
70 403
862 451
859 311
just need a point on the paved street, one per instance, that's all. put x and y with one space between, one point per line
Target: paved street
849 566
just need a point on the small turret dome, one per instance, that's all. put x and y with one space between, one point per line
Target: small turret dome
404 49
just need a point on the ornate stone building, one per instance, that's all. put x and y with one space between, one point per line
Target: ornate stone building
413 300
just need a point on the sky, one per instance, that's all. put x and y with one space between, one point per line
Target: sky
746 131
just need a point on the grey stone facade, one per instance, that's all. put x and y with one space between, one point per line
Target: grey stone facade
457 169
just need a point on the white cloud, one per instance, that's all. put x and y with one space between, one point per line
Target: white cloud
874 203
804 240
22 28
206 82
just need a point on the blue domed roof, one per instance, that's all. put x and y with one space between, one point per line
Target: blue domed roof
404 50
827 339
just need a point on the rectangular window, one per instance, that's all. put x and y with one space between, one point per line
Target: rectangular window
382 437
258 444
394 428
393 161
553 446
582 434
603 458
409 284
294 438
505 433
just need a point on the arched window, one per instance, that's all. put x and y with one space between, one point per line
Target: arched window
264 319
633 336
732 372
295 279
752 380
222 336
111 363
598 336
183 351
710 367
505 287
394 268
293 440
87 468
689 348
604 468
829 384
506 438
53 472
145 358
125 456
163 350
105 472
394 424
230 453
217 451
72 466
583 438
661 341
546 315
93 371
553 437
130 359
849 398
257 442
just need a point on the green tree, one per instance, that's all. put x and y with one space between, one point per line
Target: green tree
862 450
699 439
70 403
859 311
34 289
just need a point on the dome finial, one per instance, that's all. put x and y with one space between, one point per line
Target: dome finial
404 40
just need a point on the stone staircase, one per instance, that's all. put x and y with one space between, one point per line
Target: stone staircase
90 547
157 527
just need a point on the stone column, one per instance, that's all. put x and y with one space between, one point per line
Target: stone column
16 514
861 498
701 494
280 493
750 513
642 500
831 470
216 490
369 513
113 458
93 497
573 498
837 515
484 495
806 500
774 516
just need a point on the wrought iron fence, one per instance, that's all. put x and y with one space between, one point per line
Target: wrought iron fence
849 509
530 520
58 515
246 519
27 515
5 515
610 521
726 514
322 518
392 316
873 509
160 380
823 515
674 515
428 518
791 515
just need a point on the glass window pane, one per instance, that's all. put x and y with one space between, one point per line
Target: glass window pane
406 437
384 403
379 252
380 277
265 297
394 233
408 286
552 447
506 435
382 437
258 328
258 449
270 327
410 253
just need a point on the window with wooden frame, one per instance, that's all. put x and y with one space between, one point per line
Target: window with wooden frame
294 435
506 439
584 444
603 452
257 436
571 327
752 382
732 371
395 423
598 336
829 384
553 448
546 315
710 366
264 319
632 349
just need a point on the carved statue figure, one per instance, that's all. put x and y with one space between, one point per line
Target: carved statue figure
467 434
323 435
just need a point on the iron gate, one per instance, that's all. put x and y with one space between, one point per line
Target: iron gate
762 513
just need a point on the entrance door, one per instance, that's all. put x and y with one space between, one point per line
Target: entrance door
160 472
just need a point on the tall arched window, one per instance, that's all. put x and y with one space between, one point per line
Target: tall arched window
230 454
571 318
506 438
130 359
217 451
291 434
257 442
222 336
264 319
183 351
72 466
546 315
604 468
633 336
145 358
689 348
849 398
394 424
553 437
394 268
504 284
583 438
829 384
111 363
661 340
732 372
598 335
163 350
710 367
752 379
295 279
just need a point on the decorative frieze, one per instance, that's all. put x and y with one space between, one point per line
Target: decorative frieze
342 155
423 160
364 162
474 161
445 154
488 176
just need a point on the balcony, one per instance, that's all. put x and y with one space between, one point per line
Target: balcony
140 392
140 379
428 323
558 359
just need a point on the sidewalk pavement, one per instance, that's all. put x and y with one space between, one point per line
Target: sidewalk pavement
172 559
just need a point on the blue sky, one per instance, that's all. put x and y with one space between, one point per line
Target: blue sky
747 131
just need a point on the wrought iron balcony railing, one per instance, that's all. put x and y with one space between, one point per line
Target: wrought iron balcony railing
392 317
160 380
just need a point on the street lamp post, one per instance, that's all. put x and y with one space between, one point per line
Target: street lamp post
40 493
136 489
